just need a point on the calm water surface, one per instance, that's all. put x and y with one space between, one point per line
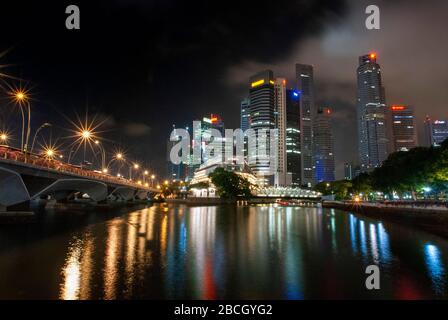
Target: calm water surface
218 252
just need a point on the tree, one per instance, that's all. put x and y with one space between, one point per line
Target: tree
340 189
230 185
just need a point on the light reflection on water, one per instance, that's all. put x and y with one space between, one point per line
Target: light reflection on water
226 252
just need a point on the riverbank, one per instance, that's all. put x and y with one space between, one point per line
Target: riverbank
432 219
199 201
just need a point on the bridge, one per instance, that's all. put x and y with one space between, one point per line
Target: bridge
25 178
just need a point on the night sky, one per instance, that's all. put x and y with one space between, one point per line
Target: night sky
146 65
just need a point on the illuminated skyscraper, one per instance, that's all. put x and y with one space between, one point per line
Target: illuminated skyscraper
245 115
404 131
262 116
280 123
323 146
371 112
348 171
293 153
305 85
436 131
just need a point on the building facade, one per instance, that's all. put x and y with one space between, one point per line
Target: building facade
323 146
245 115
404 130
371 113
348 171
436 131
293 148
280 178
305 86
262 117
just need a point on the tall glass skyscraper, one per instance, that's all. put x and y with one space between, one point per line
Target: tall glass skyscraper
305 85
404 131
262 116
371 112
436 131
280 178
293 152
245 115
323 146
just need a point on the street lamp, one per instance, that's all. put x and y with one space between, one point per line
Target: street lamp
152 180
21 98
103 155
4 138
46 124
135 166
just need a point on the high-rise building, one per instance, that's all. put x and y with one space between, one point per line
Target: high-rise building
175 171
371 112
245 115
280 178
323 146
404 131
436 131
293 149
305 85
348 171
262 109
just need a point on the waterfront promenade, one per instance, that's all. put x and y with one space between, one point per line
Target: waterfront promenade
430 216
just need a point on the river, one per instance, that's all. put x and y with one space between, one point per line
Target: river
218 252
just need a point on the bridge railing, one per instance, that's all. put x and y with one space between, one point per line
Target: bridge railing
52 164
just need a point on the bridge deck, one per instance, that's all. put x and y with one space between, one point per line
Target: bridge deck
14 157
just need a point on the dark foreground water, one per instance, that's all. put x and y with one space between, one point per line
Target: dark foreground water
218 252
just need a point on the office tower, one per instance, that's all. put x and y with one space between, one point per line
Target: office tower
245 124
293 153
404 131
323 146
174 171
262 108
371 112
436 131
305 85
245 115
348 171
280 124
218 141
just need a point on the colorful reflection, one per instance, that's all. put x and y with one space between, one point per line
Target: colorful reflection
261 252
435 267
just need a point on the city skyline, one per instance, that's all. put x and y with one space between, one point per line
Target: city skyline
135 94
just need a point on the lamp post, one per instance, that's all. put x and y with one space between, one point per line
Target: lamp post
46 124
135 166
152 180
103 156
21 98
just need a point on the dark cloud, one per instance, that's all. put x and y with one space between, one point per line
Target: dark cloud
161 62
169 62
137 129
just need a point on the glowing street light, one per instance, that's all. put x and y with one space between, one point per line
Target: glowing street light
105 170
119 156
21 98
49 153
146 172
86 134
136 166
4 137
20 95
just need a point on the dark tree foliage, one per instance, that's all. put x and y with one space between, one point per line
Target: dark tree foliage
230 185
